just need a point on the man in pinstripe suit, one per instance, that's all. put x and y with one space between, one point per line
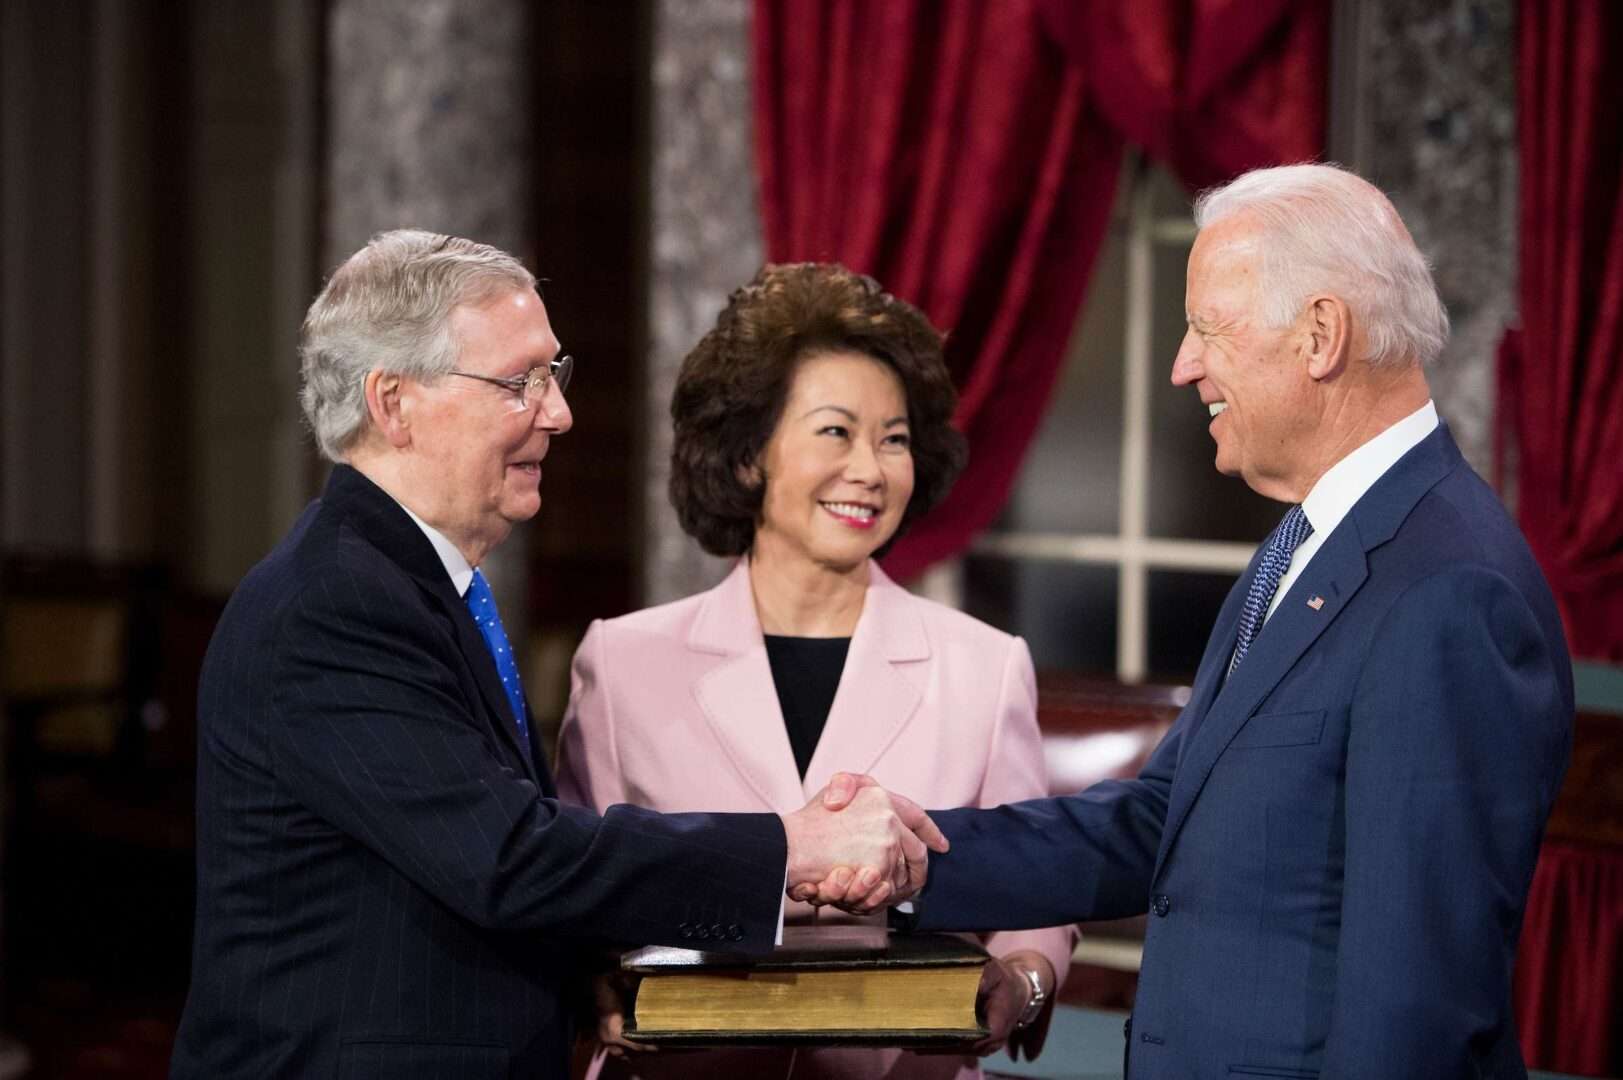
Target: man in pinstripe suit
386 885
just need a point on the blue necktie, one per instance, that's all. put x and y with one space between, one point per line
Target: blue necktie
1276 559
482 605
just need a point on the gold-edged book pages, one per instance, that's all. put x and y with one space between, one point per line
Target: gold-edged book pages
832 985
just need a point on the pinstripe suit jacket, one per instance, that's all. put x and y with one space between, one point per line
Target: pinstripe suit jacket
386 885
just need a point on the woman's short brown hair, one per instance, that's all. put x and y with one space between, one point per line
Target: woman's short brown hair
732 387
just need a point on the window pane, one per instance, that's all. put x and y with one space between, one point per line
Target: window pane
1189 499
1065 611
1183 607
1071 478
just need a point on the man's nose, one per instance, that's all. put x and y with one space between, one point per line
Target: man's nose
1186 367
553 413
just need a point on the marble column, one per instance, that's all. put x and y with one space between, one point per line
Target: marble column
429 127
705 237
1435 127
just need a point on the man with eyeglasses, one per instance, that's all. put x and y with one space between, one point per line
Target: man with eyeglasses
386 884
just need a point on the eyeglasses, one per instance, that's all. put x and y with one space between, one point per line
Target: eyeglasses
531 386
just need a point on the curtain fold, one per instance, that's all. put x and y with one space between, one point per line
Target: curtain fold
1208 88
1561 373
1568 987
966 155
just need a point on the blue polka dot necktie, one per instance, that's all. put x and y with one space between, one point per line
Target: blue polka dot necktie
1276 559
482 605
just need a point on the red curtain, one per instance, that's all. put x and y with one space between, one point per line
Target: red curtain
965 153
1568 986
949 150
1209 88
1561 375
1561 404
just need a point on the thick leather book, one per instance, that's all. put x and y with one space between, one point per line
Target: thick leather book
831 985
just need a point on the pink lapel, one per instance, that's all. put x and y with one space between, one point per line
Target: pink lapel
875 700
737 696
740 703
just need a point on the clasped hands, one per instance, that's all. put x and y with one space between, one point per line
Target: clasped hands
859 847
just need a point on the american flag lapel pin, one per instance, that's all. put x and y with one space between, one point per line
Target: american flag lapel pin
1315 602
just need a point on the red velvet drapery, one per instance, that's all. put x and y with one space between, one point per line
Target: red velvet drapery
965 154
1568 984
1561 401
1561 375
1209 88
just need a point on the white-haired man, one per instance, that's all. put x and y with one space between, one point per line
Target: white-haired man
1334 842
386 885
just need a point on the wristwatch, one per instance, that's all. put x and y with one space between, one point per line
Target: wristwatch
1034 1007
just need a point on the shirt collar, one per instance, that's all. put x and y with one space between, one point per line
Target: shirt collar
456 564
1348 479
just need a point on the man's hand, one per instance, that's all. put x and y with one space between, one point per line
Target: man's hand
846 886
869 849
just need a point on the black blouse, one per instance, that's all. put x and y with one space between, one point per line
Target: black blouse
806 672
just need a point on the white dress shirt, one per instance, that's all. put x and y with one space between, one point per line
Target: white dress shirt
1346 482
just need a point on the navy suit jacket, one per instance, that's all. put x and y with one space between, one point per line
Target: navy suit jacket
386 885
1335 844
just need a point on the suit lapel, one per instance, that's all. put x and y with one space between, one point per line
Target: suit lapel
875 701
381 520
737 696
1214 661
1335 574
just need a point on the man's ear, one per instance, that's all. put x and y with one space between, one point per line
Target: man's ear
386 405
1328 336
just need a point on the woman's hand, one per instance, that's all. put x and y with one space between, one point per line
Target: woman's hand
1004 994
611 995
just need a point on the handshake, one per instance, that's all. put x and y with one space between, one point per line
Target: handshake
858 847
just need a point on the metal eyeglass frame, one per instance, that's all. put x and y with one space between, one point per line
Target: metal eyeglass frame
531 386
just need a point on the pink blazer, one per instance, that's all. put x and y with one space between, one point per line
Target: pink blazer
674 708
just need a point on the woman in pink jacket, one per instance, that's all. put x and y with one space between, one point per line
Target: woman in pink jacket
812 425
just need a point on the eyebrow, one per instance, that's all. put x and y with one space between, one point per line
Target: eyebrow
849 415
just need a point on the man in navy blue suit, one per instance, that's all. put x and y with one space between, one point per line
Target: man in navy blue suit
1334 842
387 886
